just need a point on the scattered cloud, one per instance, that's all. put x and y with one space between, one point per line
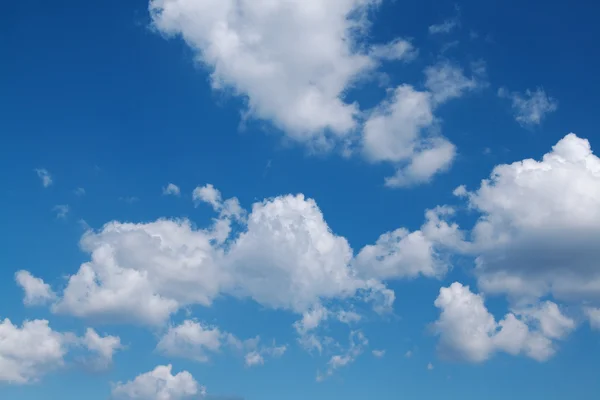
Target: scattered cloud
101 348
358 342
61 210
530 108
44 176
33 350
378 353
469 332
171 190
160 384
593 315
79 191
397 50
36 291
430 367
29 352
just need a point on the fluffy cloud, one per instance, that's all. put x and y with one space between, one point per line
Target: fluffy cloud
171 190
160 384
44 176
197 341
396 132
539 224
103 348
253 48
36 291
468 331
30 351
530 107
404 254
191 340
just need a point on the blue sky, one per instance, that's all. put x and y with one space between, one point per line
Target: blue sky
285 199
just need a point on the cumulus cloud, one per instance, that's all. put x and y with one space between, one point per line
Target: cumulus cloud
538 225
171 190
531 107
446 81
399 131
102 348
30 351
252 48
36 291
44 176
160 384
192 340
468 331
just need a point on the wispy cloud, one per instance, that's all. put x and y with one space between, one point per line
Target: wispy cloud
61 210
45 176
531 107
79 191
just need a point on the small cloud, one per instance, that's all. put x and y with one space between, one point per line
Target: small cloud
254 358
61 210
378 353
429 366
45 176
445 27
398 50
79 191
408 354
171 190
530 107
449 46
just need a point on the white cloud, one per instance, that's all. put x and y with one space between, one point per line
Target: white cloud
538 226
430 367
530 107
358 342
61 210
254 358
102 347
36 291
30 351
160 384
399 50
283 256
408 354
191 340
404 254
468 331
197 341
445 27
593 314
171 190
79 191
446 81
400 131
44 176
253 48
378 353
